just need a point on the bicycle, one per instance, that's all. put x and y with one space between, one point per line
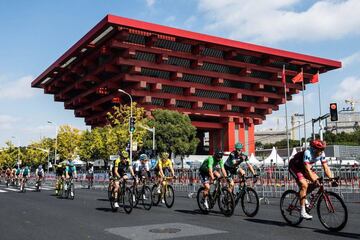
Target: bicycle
142 193
166 193
23 184
124 196
248 196
110 187
328 204
220 194
69 189
59 187
38 185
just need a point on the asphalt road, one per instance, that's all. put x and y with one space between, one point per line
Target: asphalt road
38 216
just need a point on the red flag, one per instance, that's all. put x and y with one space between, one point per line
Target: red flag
298 77
315 78
283 76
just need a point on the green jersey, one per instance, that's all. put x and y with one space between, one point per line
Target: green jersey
212 163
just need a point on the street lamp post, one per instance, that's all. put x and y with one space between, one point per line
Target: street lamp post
131 116
56 133
18 155
153 133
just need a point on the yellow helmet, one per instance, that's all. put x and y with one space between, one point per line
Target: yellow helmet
164 155
124 154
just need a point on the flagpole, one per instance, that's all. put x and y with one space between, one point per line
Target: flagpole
320 122
286 115
303 95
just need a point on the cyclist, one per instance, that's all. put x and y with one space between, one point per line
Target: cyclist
141 166
70 170
17 175
300 167
232 165
90 175
209 169
24 174
121 166
60 170
39 174
8 175
163 165
70 173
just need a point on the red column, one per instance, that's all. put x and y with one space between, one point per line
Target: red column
242 134
251 138
214 140
211 142
229 137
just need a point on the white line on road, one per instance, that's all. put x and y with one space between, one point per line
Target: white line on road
12 189
2 191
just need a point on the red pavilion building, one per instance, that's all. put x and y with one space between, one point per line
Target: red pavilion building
226 87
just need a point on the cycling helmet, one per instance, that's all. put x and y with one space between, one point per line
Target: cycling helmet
40 167
318 144
124 154
219 154
143 157
164 155
238 145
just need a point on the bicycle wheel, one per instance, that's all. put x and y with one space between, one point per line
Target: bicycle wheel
146 198
127 200
332 211
66 191
155 195
136 194
250 202
113 200
290 207
72 191
226 202
169 196
201 200
110 189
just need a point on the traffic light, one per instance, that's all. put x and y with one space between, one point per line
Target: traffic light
333 112
132 124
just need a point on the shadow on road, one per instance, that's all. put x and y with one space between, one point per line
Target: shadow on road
103 199
104 209
197 212
340 234
267 222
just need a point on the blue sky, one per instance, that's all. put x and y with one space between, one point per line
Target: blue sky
35 33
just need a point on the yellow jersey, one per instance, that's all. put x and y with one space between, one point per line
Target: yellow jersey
164 164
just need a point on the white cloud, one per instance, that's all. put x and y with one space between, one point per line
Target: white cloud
7 122
297 99
150 3
170 19
17 88
275 21
352 59
348 88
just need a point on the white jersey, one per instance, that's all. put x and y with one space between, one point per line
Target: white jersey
138 166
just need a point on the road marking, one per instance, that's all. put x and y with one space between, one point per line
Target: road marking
12 189
30 189
2 191
162 231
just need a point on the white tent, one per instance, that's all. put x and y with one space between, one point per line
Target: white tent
274 158
99 163
78 162
293 152
253 160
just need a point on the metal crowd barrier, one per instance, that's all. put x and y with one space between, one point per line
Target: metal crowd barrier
272 181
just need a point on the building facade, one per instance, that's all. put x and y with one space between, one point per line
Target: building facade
226 87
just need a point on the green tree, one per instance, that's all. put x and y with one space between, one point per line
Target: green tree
174 133
68 142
